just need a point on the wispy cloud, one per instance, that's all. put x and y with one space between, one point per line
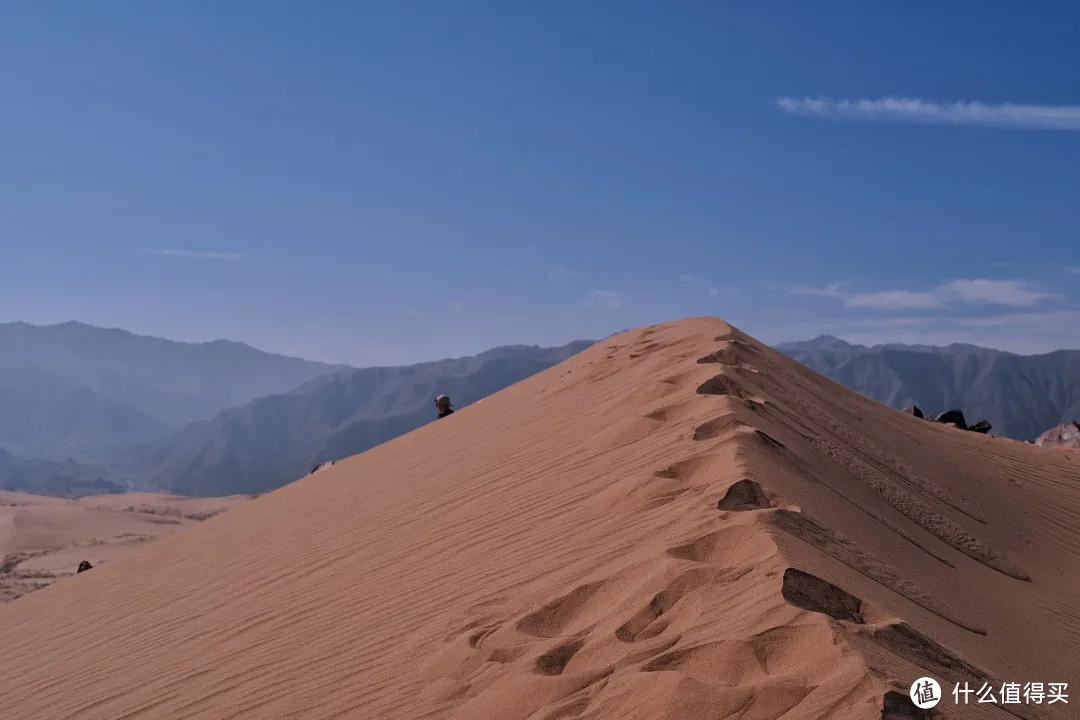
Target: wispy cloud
1013 293
604 299
894 300
915 110
835 291
165 252
1020 319
691 279
977 291
1075 269
560 275
457 306
881 299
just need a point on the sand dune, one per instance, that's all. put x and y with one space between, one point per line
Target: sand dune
44 538
677 523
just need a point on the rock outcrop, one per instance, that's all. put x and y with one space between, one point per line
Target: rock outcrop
914 410
1064 435
950 417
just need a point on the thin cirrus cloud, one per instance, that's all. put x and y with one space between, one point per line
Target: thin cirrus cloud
1013 293
881 299
1053 320
915 110
560 275
691 279
973 291
165 252
604 299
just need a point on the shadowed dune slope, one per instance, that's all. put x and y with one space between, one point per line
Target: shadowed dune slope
678 522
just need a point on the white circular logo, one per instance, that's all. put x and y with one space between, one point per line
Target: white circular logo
925 692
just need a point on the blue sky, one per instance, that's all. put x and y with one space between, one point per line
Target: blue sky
390 182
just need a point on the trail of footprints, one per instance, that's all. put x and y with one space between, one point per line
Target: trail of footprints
545 641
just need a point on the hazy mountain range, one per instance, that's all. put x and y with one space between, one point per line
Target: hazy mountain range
43 415
84 409
1021 395
172 382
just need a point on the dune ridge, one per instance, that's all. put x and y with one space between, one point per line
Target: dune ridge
678 522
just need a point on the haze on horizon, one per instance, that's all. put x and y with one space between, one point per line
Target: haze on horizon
388 184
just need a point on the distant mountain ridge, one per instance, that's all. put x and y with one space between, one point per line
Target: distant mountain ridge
174 382
44 416
83 392
1021 395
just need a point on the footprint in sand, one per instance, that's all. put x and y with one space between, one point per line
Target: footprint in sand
554 661
676 411
716 427
732 354
734 548
677 480
552 619
744 495
720 385
649 621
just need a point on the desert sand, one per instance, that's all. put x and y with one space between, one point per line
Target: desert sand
44 538
676 523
